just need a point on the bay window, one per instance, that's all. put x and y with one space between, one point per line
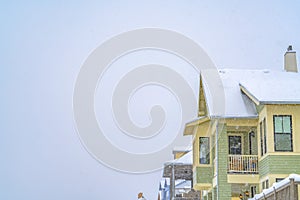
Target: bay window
204 157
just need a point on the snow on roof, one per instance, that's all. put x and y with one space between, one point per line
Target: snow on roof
187 159
265 86
236 103
274 87
179 183
183 184
182 148
277 185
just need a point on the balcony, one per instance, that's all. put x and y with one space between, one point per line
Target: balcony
243 164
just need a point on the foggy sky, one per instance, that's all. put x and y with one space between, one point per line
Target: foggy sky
42 48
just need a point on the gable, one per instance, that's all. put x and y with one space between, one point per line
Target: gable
202 107
236 104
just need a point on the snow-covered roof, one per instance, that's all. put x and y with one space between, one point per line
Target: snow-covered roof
186 159
183 183
273 87
234 102
182 148
276 186
258 86
179 183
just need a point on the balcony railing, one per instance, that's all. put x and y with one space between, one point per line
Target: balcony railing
244 164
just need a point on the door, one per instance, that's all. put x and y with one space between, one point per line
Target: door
235 152
235 145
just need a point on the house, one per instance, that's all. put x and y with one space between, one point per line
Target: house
177 178
255 140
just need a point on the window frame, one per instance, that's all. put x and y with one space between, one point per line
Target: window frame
208 152
252 191
278 179
282 133
263 137
265 184
242 142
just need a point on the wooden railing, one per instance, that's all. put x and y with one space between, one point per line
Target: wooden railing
285 189
246 164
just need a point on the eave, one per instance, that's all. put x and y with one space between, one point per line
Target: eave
270 102
252 97
189 127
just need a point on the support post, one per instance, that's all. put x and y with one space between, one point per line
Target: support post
292 189
172 182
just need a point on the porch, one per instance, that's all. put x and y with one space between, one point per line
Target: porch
243 164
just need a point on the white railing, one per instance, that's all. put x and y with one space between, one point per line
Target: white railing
243 164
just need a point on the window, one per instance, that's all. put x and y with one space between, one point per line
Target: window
263 137
283 138
265 184
261 140
251 137
235 145
253 191
279 179
204 150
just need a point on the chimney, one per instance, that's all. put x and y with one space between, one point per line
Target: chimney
290 62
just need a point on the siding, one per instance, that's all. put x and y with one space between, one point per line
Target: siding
204 174
223 186
279 164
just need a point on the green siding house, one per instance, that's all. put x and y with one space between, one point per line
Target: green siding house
253 140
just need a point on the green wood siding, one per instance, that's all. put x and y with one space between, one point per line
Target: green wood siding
204 174
223 186
246 143
279 164
214 194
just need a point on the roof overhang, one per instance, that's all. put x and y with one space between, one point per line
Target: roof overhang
234 117
252 97
264 102
189 127
280 102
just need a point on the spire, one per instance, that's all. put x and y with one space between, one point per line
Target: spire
166 184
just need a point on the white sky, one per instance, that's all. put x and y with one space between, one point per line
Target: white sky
42 48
